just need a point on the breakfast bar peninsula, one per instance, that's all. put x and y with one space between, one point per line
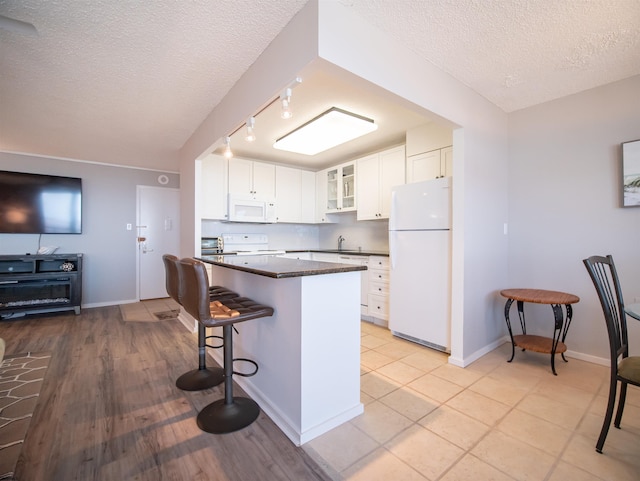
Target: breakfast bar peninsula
308 352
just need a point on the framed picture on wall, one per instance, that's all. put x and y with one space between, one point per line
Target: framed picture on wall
631 174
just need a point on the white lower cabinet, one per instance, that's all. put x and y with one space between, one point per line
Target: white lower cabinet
378 302
374 300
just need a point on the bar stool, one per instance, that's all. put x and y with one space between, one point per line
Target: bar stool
233 412
203 377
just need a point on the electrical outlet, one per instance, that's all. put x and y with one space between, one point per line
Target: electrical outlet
128 226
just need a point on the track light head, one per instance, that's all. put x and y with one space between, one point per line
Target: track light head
251 136
285 99
227 150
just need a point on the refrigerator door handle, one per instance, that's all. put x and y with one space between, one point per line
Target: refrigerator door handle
392 249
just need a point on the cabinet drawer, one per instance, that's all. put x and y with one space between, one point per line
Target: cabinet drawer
379 288
378 275
378 306
378 262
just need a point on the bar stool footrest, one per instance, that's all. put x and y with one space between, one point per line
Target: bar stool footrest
242 359
213 336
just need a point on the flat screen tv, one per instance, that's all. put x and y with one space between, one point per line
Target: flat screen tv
40 204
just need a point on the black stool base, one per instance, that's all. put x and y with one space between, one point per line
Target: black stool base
200 379
221 418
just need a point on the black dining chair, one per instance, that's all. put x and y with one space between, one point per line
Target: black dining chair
624 368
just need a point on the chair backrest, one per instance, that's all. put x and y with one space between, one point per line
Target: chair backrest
172 276
195 288
605 279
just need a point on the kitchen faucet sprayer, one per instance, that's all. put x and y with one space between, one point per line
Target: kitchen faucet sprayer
340 241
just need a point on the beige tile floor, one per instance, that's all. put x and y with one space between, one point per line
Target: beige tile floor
425 419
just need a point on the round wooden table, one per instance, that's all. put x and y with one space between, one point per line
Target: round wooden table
542 344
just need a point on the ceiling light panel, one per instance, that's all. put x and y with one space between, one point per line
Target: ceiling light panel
329 129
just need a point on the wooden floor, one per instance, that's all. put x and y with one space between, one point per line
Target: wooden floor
109 409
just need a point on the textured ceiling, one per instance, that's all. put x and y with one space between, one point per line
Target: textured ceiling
517 53
128 82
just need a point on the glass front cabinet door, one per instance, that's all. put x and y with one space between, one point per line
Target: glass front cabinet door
341 188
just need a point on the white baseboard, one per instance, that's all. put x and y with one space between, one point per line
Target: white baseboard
588 358
478 354
110 303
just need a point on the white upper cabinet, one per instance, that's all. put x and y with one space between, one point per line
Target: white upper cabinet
430 165
377 175
213 187
341 188
248 177
321 198
308 197
295 195
429 152
446 162
368 187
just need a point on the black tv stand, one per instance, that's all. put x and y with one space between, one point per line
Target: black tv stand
31 284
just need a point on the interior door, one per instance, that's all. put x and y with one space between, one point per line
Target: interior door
158 224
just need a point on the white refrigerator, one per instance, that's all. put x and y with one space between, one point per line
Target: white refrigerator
420 258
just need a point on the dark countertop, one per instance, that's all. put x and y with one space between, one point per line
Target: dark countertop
279 267
343 251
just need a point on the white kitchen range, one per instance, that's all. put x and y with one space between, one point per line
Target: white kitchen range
248 245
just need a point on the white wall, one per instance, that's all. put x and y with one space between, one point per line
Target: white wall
108 205
564 204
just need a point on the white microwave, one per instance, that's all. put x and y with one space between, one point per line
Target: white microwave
245 208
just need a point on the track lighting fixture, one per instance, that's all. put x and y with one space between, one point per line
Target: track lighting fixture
227 149
285 99
251 136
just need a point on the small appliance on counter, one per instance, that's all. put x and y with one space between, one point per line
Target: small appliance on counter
248 245
210 246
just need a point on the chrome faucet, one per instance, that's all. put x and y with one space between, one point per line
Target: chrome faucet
340 241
